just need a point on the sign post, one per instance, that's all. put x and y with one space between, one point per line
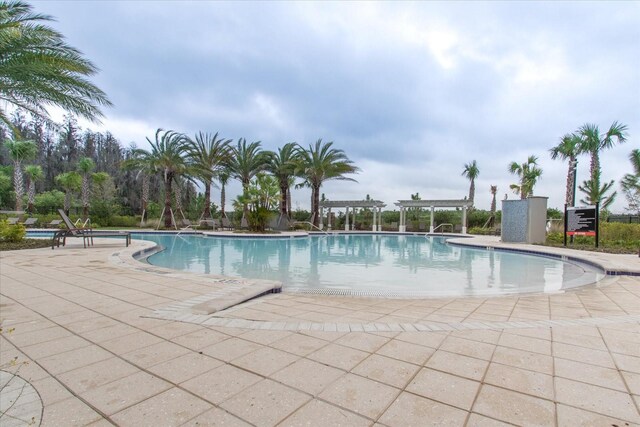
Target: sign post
582 221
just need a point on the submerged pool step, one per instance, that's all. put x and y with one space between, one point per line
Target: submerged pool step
235 297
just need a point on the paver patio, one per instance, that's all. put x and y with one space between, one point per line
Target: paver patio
90 324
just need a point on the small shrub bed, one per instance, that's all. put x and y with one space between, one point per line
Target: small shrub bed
614 238
25 244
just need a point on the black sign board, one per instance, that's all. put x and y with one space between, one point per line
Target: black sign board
581 221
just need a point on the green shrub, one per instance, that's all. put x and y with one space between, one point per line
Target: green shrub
12 233
482 231
49 201
124 221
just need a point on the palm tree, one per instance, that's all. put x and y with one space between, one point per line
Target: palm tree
166 158
568 149
70 183
631 182
223 177
246 162
282 164
321 163
528 173
34 173
207 156
20 151
141 161
492 217
592 142
471 171
39 69
85 168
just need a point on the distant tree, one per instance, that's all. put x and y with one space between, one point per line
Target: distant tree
282 164
34 173
592 142
5 185
167 158
568 149
528 174
70 183
471 172
320 163
207 156
39 69
140 160
19 151
631 183
85 169
492 218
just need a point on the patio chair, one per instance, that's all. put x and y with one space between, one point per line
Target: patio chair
86 233
213 223
54 223
30 222
12 221
226 224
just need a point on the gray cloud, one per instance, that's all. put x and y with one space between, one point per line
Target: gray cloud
410 91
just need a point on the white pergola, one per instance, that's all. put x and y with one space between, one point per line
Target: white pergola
376 205
404 204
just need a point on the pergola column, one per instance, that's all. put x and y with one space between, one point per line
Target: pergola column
353 223
431 219
329 220
379 218
321 226
402 227
464 220
374 226
346 220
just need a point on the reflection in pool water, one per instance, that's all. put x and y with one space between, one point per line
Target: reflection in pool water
371 264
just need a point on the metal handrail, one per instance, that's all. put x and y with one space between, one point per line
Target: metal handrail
312 226
450 225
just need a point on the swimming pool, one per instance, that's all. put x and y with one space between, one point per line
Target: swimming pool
385 265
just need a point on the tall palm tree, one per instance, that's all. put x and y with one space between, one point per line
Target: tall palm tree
85 168
282 165
167 158
528 173
593 142
321 163
207 156
34 173
70 183
141 161
39 69
471 171
20 151
246 162
631 182
492 217
568 149
223 177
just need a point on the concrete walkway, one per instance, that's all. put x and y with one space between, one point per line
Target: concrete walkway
84 321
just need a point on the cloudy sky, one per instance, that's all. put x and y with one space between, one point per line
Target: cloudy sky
411 91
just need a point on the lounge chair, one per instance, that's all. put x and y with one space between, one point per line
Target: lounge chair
30 222
12 221
205 223
86 233
185 224
226 224
54 223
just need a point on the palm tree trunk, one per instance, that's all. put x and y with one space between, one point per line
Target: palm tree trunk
18 184
595 170
222 200
315 193
167 201
32 195
67 201
289 202
145 195
178 193
284 190
85 196
472 191
207 201
570 183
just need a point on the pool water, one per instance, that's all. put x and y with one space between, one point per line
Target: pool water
386 265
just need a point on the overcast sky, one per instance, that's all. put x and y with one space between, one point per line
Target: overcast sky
410 91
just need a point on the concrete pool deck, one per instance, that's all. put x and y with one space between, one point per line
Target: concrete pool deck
86 321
